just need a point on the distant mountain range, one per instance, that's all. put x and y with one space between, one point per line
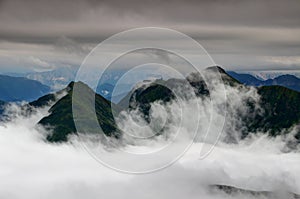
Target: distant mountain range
265 75
14 89
56 79
288 81
59 78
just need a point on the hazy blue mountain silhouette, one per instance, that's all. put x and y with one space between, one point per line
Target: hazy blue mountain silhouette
13 89
288 81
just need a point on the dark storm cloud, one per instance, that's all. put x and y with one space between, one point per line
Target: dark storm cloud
265 28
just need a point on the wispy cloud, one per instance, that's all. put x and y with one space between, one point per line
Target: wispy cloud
284 60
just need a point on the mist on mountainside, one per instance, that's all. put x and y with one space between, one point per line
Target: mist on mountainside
259 165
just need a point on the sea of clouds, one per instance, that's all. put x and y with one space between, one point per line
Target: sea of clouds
31 168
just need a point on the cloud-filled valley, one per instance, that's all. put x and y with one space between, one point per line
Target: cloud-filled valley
33 168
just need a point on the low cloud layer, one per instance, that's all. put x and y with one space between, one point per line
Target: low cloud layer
31 168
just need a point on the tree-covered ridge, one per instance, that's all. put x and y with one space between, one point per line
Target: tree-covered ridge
61 121
281 109
281 106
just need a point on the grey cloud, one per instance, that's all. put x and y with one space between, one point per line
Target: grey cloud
78 18
70 46
246 28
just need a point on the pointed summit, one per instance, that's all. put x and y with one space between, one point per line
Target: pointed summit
216 69
60 121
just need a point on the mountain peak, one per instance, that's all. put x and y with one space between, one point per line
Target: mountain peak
216 69
71 84
61 122
78 84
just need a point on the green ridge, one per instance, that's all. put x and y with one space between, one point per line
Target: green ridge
61 120
281 106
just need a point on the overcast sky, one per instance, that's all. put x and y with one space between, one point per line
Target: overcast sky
239 35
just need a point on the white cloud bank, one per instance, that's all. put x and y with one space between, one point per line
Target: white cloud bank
33 169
